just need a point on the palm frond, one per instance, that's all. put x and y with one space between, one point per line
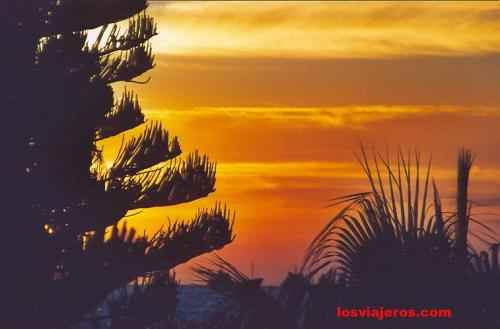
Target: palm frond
318 254
464 165
494 257
224 278
438 212
384 229
247 304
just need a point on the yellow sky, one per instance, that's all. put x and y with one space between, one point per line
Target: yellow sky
281 94
327 29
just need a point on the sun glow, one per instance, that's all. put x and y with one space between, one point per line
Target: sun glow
281 96
327 29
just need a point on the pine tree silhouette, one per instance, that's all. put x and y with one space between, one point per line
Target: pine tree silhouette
63 198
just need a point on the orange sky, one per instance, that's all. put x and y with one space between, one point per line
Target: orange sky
281 94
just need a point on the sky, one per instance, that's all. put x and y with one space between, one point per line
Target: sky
282 94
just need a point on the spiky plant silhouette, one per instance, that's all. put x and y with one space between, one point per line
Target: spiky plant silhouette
247 304
385 236
149 302
66 250
394 246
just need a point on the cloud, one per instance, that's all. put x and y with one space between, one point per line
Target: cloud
234 82
281 94
327 29
354 117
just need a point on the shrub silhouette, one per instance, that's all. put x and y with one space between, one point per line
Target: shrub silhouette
392 246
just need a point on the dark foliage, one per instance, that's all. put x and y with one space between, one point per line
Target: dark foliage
392 246
67 248
148 302
247 304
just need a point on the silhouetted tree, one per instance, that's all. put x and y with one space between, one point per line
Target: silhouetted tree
392 246
64 198
395 246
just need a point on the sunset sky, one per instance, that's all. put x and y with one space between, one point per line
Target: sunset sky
281 95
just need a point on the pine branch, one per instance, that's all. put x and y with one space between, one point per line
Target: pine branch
109 263
140 29
122 189
112 262
209 230
152 147
127 114
79 15
127 66
97 208
68 55
181 182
